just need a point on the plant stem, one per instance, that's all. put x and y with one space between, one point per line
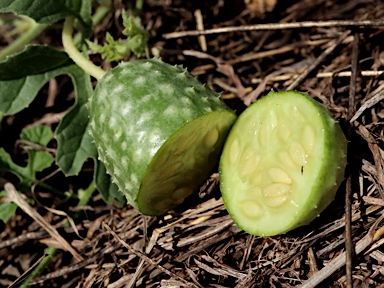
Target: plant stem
75 54
51 189
139 5
24 39
51 251
99 15
86 194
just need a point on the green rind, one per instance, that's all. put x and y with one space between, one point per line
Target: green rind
329 176
136 108
331 173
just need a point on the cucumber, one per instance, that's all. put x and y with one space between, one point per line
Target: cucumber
282 163
158 131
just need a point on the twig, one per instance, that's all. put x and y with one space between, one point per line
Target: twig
252 96
366 73
287 76
349 249
247 250
375 149
29 145
352 85
146 258
233 230
339 261
373 200
348 195
251 56
15 197
138 271
200 27
329 50
313 268
278 26
223 67
368 104
74 267
21 239
23 276
199 237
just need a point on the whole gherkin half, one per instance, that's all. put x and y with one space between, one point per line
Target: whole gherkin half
158 131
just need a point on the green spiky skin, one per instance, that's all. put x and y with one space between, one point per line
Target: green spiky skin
158 131
282 163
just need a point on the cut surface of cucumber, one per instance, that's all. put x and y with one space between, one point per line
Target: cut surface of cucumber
183 163
282 163
158 131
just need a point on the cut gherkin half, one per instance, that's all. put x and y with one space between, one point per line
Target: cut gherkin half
158 131
282 163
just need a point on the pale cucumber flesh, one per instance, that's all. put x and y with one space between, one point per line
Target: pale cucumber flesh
183 162
281 164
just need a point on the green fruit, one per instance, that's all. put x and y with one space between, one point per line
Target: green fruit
282 163
158 131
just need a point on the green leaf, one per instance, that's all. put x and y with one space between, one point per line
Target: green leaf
74 143
37 134
136 42
49 11
20 82
7 209
33 60
18 94
37 65
137 35
37 160
108 190
7 165
113 50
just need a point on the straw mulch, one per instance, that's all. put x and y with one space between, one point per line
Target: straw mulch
335 53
